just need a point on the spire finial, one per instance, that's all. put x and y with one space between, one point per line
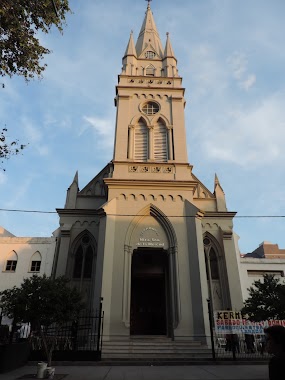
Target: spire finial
148 3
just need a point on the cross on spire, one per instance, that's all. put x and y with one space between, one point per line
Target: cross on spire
148 3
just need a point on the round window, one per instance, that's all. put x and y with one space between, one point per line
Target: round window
85 239
150 108
206 241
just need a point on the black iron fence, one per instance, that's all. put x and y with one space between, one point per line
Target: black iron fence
240 346
80 339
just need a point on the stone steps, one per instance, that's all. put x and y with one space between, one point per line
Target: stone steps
152 349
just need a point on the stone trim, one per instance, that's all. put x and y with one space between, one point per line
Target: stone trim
150 169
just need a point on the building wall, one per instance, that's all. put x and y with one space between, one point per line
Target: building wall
251 269
25 247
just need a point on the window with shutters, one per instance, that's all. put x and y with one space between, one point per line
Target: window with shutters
141 142
149 71
160 142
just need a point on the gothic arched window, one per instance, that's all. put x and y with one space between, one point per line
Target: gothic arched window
83 260
160 142
36 260
214 265
212 272
11 263
149 71
141 141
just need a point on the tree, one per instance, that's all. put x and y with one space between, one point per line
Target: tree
21 20
8 149
266 300
44 302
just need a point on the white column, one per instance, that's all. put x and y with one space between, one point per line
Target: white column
150 143
131 142
170 144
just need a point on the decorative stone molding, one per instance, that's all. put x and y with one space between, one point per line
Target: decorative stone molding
148 80
227 235
133 169
168 169
150 169
156 169
145 169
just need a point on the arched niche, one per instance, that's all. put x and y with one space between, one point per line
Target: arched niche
151 229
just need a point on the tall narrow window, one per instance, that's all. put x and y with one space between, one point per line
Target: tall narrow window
214 265
141 142
11 263
78 262
212 272
36 260
83 260
160 142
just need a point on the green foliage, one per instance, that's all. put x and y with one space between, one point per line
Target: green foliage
20 23
41 300
266 300
8 149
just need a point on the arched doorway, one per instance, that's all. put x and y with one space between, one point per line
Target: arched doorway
149 314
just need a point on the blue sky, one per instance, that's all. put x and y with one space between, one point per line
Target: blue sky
232 59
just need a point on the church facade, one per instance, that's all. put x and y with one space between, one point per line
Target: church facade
145 234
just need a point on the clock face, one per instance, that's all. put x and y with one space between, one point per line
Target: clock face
150 54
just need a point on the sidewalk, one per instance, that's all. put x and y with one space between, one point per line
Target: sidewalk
202 372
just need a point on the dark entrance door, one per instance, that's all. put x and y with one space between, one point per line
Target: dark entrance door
148 292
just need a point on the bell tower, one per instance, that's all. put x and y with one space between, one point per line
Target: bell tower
162 243
150 104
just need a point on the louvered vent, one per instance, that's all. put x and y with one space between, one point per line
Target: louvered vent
141 142
160 143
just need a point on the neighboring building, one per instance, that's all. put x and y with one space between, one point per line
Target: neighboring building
21 257
267 250
145 234
266 259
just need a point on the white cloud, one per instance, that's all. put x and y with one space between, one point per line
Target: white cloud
20 193
35 136
248 82
255 136
3 178
103 127
239 65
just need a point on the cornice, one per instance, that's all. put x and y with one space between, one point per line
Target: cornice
85 212
149 87
220 214
27 240
164 164
142 183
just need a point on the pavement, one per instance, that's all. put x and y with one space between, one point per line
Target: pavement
197 372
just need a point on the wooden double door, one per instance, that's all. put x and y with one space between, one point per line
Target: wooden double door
149 293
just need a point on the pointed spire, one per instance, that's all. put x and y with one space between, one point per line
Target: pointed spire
76 178
148 34
131 50
217 182
168 52
220 195
72 191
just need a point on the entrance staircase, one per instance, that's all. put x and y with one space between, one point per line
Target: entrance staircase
154 350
